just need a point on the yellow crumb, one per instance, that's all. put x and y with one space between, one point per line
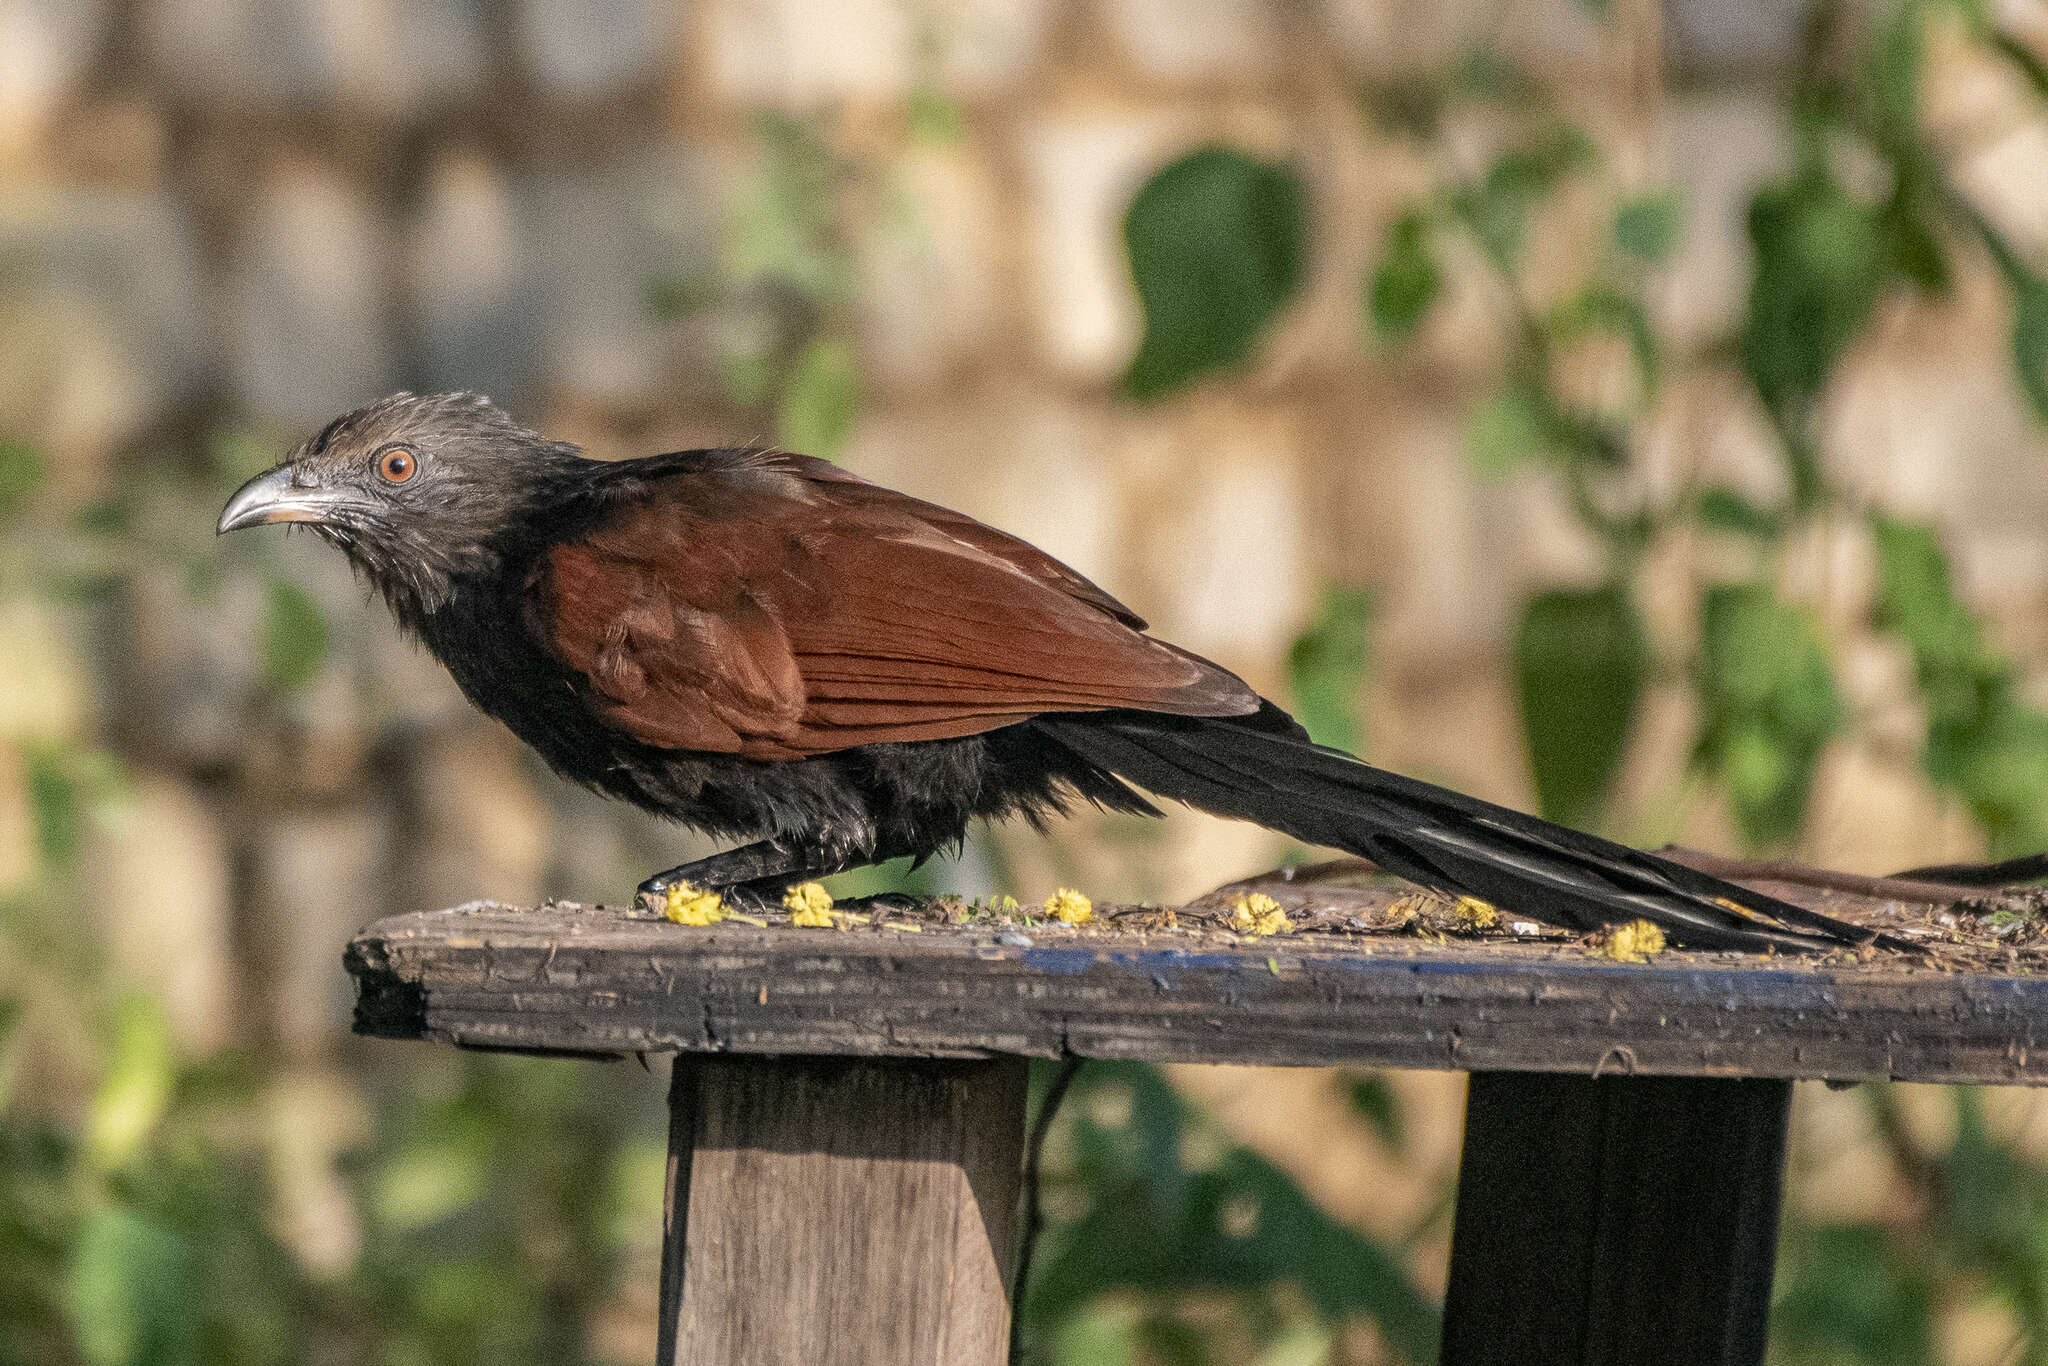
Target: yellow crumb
1634 942
1479 915
1744 911
1069 907
1257 913
688 904
1410 906
810 906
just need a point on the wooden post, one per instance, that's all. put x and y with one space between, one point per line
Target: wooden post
1626 1221
840 1212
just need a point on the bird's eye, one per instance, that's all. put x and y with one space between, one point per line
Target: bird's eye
397 464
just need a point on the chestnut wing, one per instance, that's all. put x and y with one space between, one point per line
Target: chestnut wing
774 607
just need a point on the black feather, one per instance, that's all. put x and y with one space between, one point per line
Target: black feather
1262 768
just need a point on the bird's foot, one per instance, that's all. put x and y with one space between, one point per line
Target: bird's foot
883 901
748 898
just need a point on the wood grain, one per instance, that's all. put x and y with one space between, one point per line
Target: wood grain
841 1212
596 982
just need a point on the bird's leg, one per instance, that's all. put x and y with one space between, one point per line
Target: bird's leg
753 871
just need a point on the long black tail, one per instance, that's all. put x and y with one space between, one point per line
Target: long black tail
1263 768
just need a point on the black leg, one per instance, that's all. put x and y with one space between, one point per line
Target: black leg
1627 1221
760 868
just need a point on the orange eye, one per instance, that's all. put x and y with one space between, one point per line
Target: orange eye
397 465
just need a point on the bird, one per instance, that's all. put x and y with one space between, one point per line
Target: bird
828 673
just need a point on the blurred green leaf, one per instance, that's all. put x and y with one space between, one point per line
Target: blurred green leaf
1404 105
1100 1335
2023 59
10 1057
104 517
1982 740
1405 281
64 782
633 1188
135 1292
1217 242
750 376
54 804
1908 222
1723 509
1486 73
296 638
1852 1295
1769 706
1916 599
1233 1225
1819 267
1326 667
815 413
1582 660
136 1089
1505 431
22 472
1496 210
1646 227
239 453
1913 242
681 294
1305 1344
781 228
1997 754
2030 340
1376 1102
1601 308
1895 73
934 116
430 1181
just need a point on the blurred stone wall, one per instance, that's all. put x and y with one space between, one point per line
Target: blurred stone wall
243 216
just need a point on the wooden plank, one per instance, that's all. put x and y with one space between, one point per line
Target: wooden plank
840 1212
597 982
1625 1221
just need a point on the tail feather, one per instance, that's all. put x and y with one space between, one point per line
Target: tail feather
1263 768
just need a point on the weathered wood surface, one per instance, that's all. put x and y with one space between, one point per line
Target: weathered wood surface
1615 1222
840 1212
594 981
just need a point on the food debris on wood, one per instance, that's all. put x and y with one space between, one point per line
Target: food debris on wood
1069 907
688 904
1477 914
1259 914
1351 906
1636 942
809 906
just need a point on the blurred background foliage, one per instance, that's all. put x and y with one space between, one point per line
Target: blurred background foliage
162 1202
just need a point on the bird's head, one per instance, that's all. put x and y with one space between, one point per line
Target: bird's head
417 490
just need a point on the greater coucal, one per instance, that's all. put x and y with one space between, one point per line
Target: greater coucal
765 647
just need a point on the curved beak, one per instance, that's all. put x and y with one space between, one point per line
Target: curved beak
271 497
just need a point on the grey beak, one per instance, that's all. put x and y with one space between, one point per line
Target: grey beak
271 497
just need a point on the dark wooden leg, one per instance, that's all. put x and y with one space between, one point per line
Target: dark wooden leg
1626 1221
840 1212
675 1199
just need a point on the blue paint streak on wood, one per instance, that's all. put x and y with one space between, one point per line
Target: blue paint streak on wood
1060 962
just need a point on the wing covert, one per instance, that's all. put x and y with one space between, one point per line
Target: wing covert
774 618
